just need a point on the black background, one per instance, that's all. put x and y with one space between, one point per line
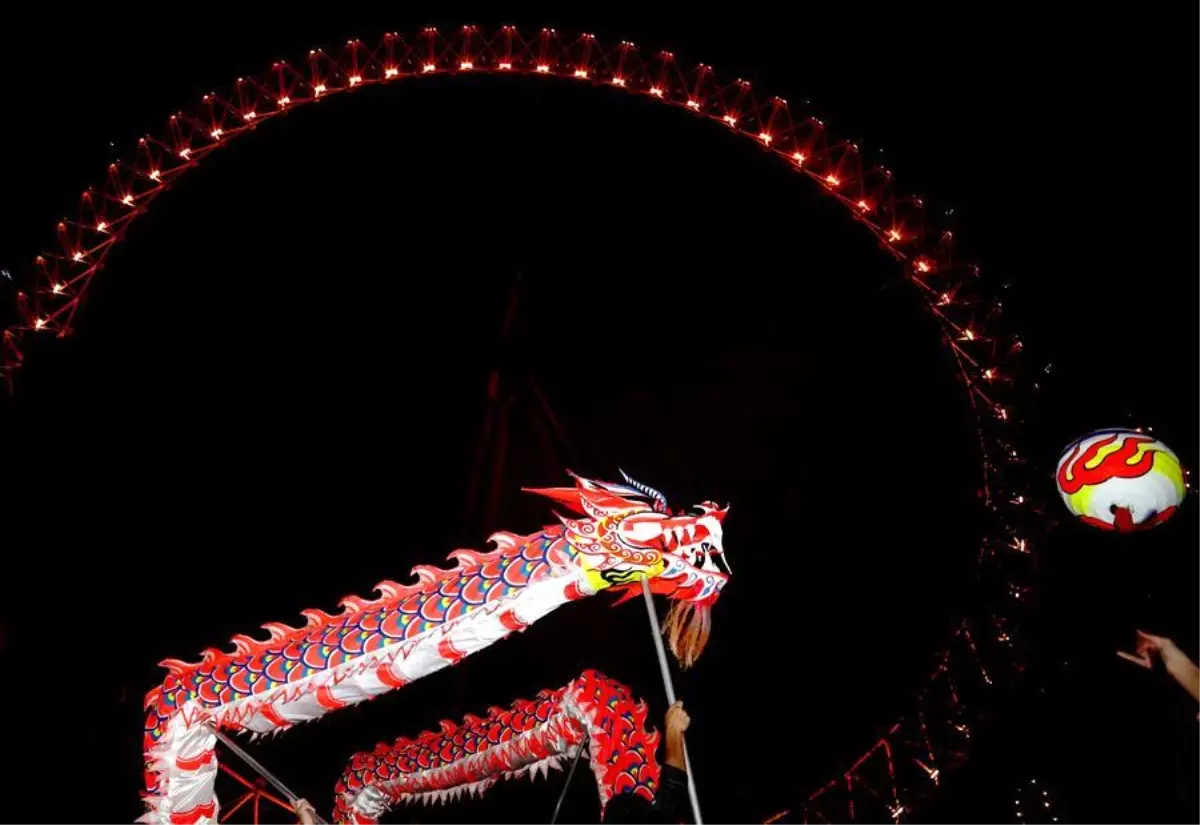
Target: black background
274 393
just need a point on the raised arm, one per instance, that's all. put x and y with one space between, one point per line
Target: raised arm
671 803
1182 669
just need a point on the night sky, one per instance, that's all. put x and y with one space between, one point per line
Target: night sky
275 392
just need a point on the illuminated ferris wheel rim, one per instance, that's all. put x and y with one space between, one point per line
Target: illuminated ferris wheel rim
950 287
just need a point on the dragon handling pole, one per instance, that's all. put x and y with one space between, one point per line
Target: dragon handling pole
257 767
656 632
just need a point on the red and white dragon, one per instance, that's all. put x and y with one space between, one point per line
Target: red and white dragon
592 713
616 536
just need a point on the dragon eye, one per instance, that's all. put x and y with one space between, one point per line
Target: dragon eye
705 546
698 558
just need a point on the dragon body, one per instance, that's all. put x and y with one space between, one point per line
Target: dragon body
618 536
525 739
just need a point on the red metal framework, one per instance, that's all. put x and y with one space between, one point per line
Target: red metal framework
911 756
255 794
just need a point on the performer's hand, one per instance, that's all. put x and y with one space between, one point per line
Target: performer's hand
1149 646
306 812
1176 662
677 720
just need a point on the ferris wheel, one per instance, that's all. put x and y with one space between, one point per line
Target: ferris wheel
909 760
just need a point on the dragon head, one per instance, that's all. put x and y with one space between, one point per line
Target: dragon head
627 533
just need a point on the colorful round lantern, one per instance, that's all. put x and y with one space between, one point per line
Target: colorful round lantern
1122 480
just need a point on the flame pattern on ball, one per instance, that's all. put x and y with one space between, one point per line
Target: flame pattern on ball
1121 480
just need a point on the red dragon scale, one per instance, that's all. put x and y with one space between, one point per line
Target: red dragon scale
624 534
526 739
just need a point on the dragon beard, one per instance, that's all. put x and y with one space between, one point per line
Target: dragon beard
686 627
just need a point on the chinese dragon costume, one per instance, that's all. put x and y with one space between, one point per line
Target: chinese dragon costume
527 738
616 536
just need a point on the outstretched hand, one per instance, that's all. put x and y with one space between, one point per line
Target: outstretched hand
306 812
1174 660
1149 646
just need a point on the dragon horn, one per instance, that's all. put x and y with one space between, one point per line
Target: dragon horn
660 501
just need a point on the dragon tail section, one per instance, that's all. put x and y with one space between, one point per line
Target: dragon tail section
529 738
